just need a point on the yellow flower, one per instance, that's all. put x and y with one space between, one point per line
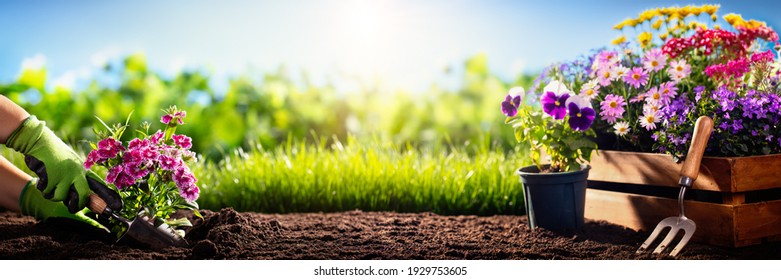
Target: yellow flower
665 11
626 22
734 19
710 9
717 26
647 15
714 18
664 35
685 11
644 39
657 24
619 40
696 11
754 24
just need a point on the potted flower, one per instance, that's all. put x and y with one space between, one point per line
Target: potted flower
150 172
558 124
669 67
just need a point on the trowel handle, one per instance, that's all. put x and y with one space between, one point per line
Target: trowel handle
96 204
702 131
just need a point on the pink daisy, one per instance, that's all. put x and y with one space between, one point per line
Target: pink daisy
612 108
654 60
636 77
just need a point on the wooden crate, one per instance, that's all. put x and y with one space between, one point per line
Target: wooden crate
735 200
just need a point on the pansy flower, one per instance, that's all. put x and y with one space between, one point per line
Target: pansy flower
554 100
512 101
581 115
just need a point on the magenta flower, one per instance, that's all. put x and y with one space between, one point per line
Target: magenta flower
136 171
113 173
157 138
636 77
183 141
109 148
581 115
178 115
606 75
612 108
168 162
190 193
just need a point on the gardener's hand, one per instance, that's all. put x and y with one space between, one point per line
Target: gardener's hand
60 169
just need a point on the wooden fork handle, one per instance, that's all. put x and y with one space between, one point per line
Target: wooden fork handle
702 131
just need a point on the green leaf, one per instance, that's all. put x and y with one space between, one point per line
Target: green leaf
181 222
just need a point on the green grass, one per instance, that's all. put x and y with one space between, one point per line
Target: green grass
365 175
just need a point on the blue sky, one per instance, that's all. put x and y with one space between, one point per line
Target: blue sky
405 43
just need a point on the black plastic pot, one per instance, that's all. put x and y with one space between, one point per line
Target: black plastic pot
554 201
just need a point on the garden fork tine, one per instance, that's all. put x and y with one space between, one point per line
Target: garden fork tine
689 173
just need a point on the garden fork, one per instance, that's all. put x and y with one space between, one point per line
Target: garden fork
689 172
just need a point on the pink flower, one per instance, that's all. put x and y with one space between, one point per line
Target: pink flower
113 173
109 148
136 171
649 119
679 70
138 143
762 57
157 138
92 158
190 193
653 96
606 75
168 162
166 119
637 77
132 156
654 60
612 108
182 141
668 90
178 115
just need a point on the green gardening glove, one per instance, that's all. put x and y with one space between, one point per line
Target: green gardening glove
32 203
60 169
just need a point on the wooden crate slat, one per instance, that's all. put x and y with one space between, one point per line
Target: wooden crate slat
758 220
655 169
756 173
640 212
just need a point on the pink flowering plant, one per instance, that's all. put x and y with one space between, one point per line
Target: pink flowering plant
557 124
150 171
683 64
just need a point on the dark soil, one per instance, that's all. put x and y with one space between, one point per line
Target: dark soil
355 235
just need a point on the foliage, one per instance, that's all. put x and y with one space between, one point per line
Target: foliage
268 108
652 90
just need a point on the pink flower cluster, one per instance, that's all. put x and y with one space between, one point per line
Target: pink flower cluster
144 157
734 68
763 57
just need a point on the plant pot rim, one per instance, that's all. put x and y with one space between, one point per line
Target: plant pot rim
532 170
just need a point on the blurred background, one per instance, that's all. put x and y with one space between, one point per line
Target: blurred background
260 77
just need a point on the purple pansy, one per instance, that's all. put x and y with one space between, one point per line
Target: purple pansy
581 115
554 105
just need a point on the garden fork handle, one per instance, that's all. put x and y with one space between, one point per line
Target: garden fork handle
691 166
